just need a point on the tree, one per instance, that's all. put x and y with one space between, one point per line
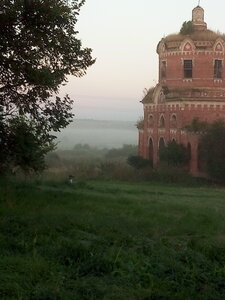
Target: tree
38 50
212 150
28 146
211 146
187 28
174 154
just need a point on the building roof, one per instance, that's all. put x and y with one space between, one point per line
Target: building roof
195 30
204 35
148 98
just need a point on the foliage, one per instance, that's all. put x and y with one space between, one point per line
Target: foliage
125 151
27 145
212 150
138 162
197 126
187 28
171 173
110 240
39 49
85 162
140 123
174 154
80 151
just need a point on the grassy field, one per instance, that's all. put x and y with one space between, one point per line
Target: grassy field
108 240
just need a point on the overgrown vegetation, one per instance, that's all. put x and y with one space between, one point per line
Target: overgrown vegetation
138 162
174 154
211 150
187 28
86 162
108 240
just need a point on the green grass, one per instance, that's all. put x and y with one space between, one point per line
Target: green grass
111 240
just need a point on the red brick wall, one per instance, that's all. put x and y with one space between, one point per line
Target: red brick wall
184 116
208 104
203 69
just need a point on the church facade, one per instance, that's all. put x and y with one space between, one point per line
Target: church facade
191 85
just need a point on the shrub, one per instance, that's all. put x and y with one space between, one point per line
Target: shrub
174 154
138 162
173 174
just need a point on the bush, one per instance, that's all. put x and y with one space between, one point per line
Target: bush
173 174
138 162
23 145
174 154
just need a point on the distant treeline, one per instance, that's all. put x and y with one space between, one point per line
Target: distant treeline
87 151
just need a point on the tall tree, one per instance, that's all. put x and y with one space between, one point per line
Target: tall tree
212 150
39 48
211 147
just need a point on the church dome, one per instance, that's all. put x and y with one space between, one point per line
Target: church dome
195 30
194 57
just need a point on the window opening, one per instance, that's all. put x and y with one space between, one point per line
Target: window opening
188 68
174 121
161 144
162 122
218 68
163 69
150 121
150 151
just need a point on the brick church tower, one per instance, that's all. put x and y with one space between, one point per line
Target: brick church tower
191 85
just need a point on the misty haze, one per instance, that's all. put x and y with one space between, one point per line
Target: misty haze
96 133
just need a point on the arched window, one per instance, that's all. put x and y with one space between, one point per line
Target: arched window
218 69
189 154
162 97
163 69
150 121
161 144
162 122
150 150
174 121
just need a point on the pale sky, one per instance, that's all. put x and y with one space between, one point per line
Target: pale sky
123 35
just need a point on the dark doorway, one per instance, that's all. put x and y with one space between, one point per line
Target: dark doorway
161 144
189 154
150 151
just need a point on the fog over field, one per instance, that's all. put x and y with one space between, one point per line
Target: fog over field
98 133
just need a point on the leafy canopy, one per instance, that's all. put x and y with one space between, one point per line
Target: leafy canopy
211 148
174 154
38 50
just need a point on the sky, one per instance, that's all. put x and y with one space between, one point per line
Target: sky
124 35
